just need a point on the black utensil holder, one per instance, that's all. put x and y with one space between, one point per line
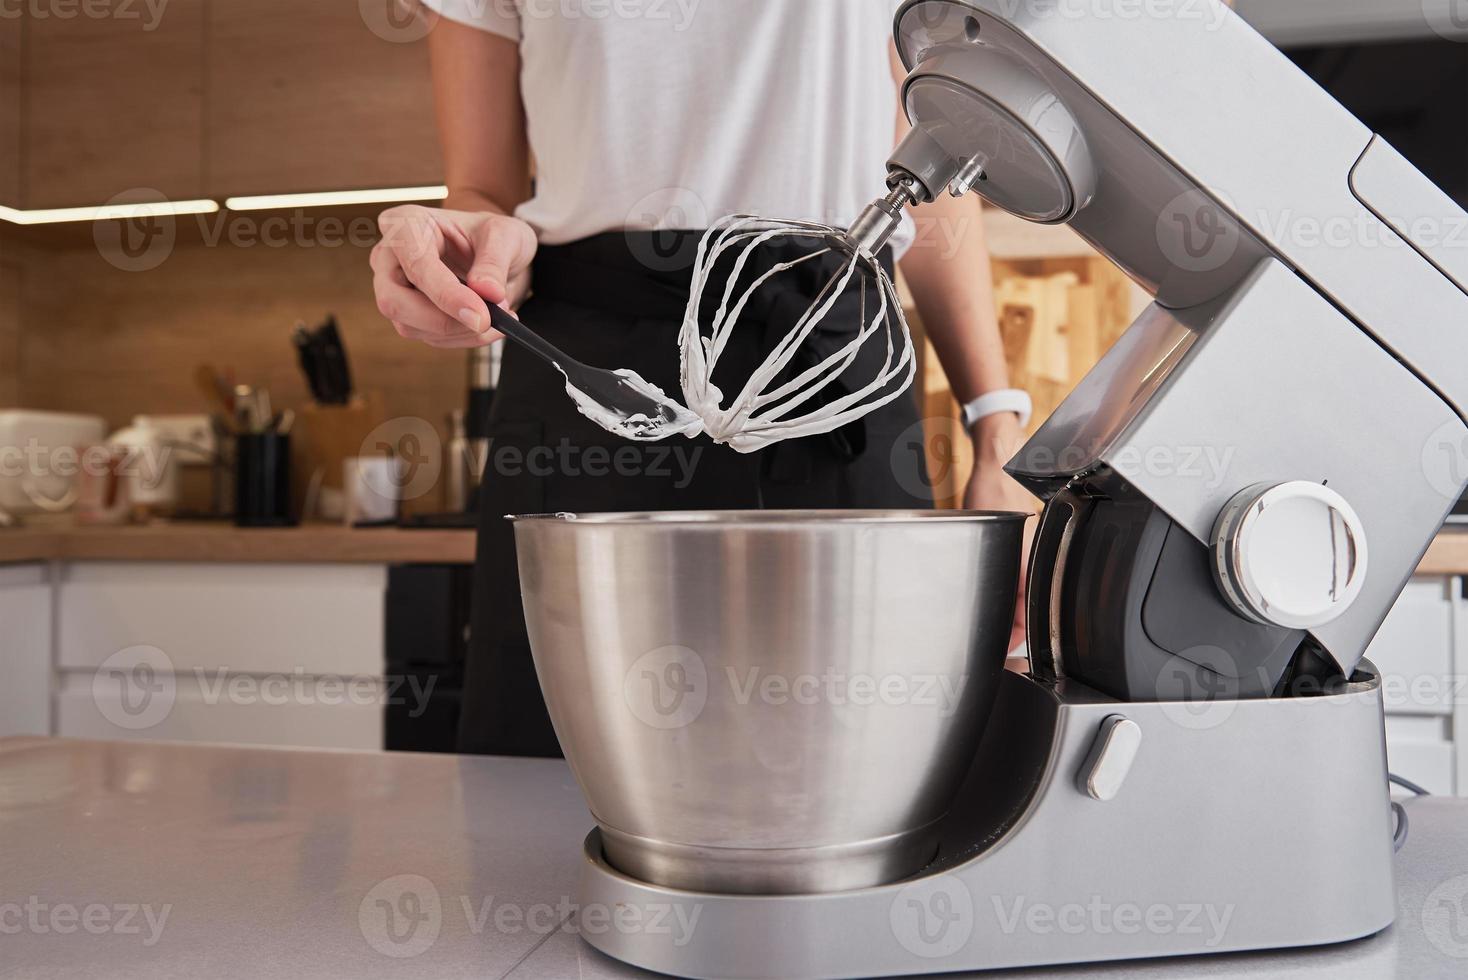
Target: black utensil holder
263 480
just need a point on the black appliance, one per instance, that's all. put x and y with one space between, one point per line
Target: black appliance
427 635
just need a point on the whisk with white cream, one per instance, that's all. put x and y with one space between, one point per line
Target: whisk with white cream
789 395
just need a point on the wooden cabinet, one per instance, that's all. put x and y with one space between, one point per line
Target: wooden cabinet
212 98
10 115
308 97
113 104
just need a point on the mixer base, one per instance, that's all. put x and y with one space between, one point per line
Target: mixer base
1241 825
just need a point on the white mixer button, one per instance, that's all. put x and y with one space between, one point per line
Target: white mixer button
1111 758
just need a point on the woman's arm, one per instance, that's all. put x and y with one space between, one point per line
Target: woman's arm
425 252
481 119
951 278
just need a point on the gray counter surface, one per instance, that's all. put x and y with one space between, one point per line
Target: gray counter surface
157 860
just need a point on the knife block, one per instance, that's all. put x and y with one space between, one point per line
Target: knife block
325 437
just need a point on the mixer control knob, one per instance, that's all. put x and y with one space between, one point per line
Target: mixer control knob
1292 555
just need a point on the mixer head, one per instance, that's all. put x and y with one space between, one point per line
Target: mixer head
1196 178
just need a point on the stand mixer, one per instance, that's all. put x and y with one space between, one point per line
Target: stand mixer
1195 761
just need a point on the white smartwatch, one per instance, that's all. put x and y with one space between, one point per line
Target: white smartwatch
1006 400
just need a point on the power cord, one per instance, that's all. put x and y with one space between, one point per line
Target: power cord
1399 835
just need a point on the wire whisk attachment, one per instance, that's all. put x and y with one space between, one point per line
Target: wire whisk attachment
786 396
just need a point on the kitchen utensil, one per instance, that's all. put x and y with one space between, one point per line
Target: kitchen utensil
484 380
246 410
659 637
323 359
264 411
263 480
216 391
305 353
336 370
764 410
622 402
459 467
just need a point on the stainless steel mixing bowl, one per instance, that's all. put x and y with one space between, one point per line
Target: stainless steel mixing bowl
769 702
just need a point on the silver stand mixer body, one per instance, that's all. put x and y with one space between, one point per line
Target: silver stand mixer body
1240 825
1199 737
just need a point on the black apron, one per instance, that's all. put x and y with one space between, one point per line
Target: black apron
617 301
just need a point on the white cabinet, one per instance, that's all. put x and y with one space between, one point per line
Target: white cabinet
255 618
260 654
25 650
1416 653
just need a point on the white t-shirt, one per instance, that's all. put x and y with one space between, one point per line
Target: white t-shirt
651 114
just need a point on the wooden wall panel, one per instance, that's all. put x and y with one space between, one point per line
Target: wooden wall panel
11 30
113 104
126 343
306 97
10 274
1058 316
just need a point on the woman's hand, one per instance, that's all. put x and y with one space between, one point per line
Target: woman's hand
996 441
423 254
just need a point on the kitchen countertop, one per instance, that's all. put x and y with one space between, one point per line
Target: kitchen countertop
1448 554
330 543
148 860
205 542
